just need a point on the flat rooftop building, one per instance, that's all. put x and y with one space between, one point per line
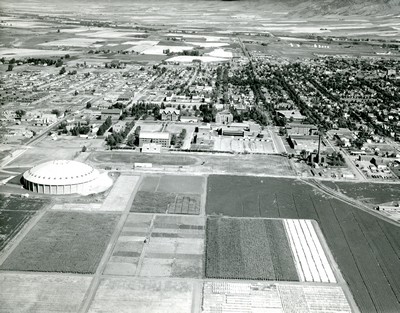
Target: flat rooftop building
162 138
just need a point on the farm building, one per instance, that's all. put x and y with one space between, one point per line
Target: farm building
162 138
61 177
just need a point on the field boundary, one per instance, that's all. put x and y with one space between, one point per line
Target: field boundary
26 228
92 290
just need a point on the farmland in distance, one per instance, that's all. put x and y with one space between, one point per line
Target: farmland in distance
366 248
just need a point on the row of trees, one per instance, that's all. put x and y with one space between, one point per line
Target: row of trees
177 141
103 128
117 138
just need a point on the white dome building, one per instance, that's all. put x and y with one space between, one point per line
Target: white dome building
61 177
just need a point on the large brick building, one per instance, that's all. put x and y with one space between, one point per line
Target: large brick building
162 138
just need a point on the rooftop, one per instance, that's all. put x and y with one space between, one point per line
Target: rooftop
154 135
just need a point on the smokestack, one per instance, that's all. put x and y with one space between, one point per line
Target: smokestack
319 148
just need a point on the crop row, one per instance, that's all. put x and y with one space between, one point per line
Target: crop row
366 248
248 249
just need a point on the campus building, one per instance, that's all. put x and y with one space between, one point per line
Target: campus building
170 114
162 138
61 177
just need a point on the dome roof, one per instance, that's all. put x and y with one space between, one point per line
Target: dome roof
61 172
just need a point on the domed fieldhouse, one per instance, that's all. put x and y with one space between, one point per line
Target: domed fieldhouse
62 177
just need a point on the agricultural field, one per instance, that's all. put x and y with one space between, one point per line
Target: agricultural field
14 203
145 296
175 247
278 298
310 258
27 293
367 192
11 223
169 194
248 249
365 248
14 214
69 242
128 248
159 246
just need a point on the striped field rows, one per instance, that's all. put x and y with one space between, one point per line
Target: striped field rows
310 259
228 297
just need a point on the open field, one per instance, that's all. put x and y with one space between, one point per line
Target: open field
164 202
14 203
39 155
175 247
63 242
23 53
28 293
72 42
126 254
124 157
367 192
145 296
365 248
247 164
188 59
276 298
14 214
120 193
11 223
159 246
169 194
248 249
174 183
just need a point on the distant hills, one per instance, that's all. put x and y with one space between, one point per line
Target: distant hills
346 7
324 7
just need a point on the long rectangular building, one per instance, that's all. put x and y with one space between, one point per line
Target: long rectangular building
162 138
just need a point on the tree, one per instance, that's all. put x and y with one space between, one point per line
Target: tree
88 105
10 67
137 134
84 149
20 113
56 112
62 71
59 63
173 139
131 140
